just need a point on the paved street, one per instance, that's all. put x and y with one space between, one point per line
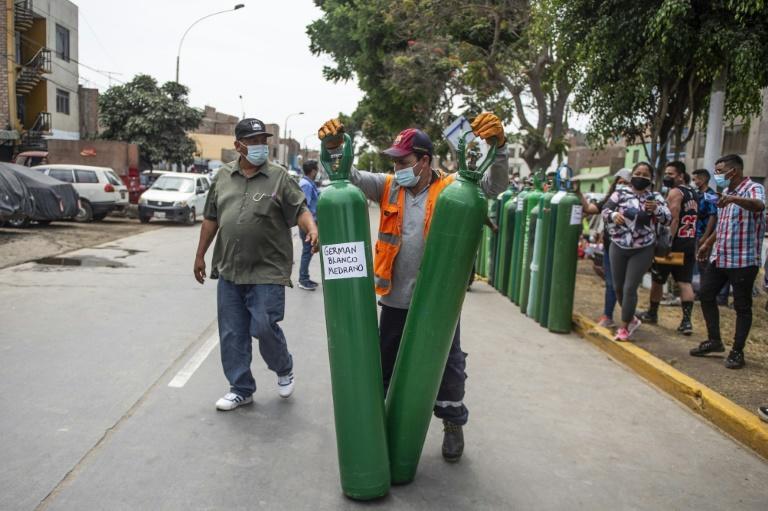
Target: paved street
89 420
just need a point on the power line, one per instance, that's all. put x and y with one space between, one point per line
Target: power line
106 74
95 35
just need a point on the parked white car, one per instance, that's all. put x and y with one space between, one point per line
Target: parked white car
177 196
100 190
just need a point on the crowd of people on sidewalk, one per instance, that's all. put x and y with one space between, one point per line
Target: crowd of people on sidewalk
710 223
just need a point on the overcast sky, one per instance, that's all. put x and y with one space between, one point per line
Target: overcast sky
260 51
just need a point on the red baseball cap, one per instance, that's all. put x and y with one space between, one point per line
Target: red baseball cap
409 141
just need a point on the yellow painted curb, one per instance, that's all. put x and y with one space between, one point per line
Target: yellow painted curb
742 425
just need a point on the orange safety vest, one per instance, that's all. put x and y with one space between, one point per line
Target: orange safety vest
392 205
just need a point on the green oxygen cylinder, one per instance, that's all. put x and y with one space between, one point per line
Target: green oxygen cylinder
505 243
539 255
567 234
351 327
531 201
482 263
493 214
512 285
529 241
434 313
500 262
549 258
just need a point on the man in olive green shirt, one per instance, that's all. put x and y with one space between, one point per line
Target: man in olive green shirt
252 205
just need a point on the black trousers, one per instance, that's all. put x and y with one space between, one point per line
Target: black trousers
712 281
450 398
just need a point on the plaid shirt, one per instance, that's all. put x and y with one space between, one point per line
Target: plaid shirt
739 234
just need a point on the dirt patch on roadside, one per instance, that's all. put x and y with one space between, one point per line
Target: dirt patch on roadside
38 241
747 387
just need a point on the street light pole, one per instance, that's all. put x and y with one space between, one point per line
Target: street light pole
306 147
178 53
285 134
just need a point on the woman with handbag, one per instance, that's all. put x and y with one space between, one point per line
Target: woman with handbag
620 180
632 215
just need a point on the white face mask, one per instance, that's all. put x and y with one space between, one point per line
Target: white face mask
407 177
256 154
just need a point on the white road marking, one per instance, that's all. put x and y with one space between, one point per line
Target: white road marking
186 372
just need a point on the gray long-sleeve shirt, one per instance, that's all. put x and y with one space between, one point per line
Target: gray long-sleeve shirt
408 260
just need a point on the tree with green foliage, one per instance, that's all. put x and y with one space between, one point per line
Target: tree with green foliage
646 68
156 118
419 61
373 161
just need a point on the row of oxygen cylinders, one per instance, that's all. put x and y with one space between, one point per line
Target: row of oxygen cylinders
532 258
379 440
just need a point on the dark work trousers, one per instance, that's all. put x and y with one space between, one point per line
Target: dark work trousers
741 280
450 398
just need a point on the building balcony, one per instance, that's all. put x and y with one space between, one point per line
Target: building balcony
34 138
23 15
32 72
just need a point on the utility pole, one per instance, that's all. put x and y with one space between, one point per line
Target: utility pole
285 134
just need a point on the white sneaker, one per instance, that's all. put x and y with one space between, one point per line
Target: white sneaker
285 385
231 401
634 325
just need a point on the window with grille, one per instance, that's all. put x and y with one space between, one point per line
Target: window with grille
62 101
62 42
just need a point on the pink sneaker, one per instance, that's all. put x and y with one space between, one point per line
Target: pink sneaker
605 322
622 334
634 325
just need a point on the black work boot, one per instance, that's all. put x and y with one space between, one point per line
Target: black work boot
707 347
735 360
651 316
686 327
453 442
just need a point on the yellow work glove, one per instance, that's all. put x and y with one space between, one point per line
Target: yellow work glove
487 126
331 132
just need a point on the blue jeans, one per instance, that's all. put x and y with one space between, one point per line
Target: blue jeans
247 311
306 256
610 293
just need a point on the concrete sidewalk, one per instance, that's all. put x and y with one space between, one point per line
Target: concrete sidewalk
554 423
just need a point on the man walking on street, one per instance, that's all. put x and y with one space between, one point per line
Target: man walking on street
311 192
407 201
683 205
735 248
707 218
252 205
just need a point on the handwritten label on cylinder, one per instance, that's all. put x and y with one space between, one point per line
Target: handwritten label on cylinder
344 261
576 215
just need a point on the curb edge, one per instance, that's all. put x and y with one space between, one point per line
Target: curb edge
743 426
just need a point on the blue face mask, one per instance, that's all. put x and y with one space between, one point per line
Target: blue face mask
406 178
722 181
257 154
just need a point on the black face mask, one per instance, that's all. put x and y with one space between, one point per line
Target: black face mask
669 182
641 183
